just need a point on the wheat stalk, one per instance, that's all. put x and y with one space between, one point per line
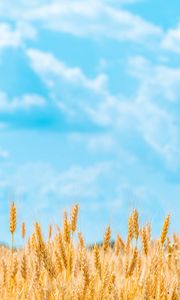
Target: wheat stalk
12 222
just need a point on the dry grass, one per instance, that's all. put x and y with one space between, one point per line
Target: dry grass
59 268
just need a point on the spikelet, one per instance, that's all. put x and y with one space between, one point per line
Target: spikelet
175 241
130 227
132 262
111 283
14 267
148 231
12 224
97 259
85 272
91 287
39 244
66 232
23 230
130 233
74 216
139 266
34 246
119 244
58 263
146 289
165 229
107 237
135 218
48 263
36 271
81 240
170 252
62 250
24 267
144 241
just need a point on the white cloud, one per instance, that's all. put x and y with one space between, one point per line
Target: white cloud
50 68
77 181
26 102
171 40
43 182
8 37
126 26
93 19
152 111
156 107
157 79
160 131
70 89
14 37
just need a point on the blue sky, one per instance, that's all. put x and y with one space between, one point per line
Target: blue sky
89 112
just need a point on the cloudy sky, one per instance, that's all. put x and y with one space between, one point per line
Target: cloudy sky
90 112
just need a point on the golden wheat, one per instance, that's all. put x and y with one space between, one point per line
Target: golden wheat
63 267
12 222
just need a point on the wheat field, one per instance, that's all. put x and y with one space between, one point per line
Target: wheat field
63 267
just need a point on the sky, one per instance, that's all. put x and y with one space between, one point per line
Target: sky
90 113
